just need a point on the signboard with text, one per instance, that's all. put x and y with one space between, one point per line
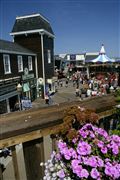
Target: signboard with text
27 76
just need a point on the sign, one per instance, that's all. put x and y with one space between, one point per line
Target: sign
26 104
26 71
27 76
72 57
40 81
80 57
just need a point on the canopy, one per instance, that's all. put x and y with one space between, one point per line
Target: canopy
102 58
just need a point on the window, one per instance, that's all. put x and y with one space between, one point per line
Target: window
49 56
20 64
30 67
7 68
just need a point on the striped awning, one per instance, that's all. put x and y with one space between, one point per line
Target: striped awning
102 58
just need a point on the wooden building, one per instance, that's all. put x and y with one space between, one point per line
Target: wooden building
35 33
17 66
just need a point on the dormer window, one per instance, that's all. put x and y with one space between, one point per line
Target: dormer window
20 64
6 60
30 67
49 56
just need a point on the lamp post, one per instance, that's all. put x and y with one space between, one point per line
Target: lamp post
19 90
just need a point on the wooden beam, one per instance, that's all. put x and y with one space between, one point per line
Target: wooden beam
18 123
40 133
15 163
26 137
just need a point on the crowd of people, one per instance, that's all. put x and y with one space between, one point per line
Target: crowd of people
96 85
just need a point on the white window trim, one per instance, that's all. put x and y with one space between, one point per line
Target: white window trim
21 63
49 56
30 58
6 55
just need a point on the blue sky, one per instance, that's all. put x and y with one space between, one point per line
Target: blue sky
79 25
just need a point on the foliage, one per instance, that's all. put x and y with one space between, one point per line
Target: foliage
91 154
117 99
117 92
117 130
74 118
117 95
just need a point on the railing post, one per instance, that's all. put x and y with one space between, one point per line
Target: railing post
47 147
1 174
15 163
33 155
54 146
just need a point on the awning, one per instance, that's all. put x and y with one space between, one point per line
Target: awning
26 87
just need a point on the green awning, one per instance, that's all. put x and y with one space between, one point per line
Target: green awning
26 87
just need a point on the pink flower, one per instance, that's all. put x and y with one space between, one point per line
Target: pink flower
61 173
95 173
92 161
83 148
61 144
104 150
100 162
100 144
84 173
115 149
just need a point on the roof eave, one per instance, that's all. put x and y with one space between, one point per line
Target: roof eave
16 52
33 31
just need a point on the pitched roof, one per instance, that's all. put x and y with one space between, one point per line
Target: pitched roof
31 23
13 48
102 57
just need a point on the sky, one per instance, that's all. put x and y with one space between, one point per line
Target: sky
79 25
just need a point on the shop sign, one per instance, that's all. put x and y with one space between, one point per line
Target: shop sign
27 76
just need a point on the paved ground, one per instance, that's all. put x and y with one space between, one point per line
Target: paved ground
63 94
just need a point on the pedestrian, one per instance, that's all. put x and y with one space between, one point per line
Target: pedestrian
77 91
58 82
66 83
61 83
17 106
46 99
74 83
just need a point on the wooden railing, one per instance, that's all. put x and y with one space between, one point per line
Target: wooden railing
32 126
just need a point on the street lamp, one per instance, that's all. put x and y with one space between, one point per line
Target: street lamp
19 90
43 65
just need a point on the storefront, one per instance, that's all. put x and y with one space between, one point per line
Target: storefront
29 84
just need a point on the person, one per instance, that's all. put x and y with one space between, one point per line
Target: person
46 99
66 83
61 83
89 92
17 106
77 91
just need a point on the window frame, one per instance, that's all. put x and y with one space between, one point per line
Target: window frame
9 66
21 64
30 64
49 56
